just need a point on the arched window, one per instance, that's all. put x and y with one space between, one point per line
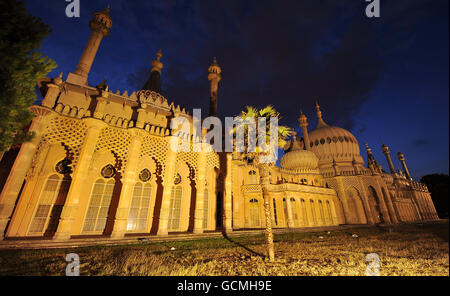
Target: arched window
330 216
286 217
374 202
252 179
99 206
205 209
140 206
50 204
175 208
275 212
304 212
294 212
255 219
313 211
322 214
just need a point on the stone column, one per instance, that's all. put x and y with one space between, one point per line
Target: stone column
201 185
228 197
53 92
168 184
78 180
100 25
129 179
22 164
388 158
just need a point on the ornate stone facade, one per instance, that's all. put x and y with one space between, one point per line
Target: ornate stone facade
100 164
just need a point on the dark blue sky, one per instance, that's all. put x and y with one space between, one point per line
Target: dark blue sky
386 79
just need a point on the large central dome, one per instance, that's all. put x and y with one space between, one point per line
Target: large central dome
331 143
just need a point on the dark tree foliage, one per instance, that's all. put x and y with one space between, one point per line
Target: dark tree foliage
438 186
21 65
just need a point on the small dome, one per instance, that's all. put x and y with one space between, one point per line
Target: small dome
297 159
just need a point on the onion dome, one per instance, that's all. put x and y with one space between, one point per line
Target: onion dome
299 159
333 143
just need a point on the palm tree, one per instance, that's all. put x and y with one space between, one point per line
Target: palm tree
260 156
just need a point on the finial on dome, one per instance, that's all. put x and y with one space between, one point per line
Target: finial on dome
157 65
303 120
215 70
320 122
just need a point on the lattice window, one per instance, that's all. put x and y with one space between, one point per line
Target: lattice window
99 204
71 132
47 206
116 140
212 160
191 159
175 208
205 209
255 217
140 206
155 147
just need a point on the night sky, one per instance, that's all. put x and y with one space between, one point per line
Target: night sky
384 79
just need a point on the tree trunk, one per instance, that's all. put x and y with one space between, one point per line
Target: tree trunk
264 177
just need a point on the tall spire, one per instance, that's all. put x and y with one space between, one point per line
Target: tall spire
320 122
303 120
388 158
154 81
100 25
401 157
214 76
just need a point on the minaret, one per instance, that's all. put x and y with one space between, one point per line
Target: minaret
214 76
371 162
401 157
303 120
100 26
388 158
154 81
320 122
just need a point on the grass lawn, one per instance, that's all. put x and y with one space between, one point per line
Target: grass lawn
403 250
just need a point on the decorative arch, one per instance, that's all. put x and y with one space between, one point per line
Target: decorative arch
355 213
374 202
